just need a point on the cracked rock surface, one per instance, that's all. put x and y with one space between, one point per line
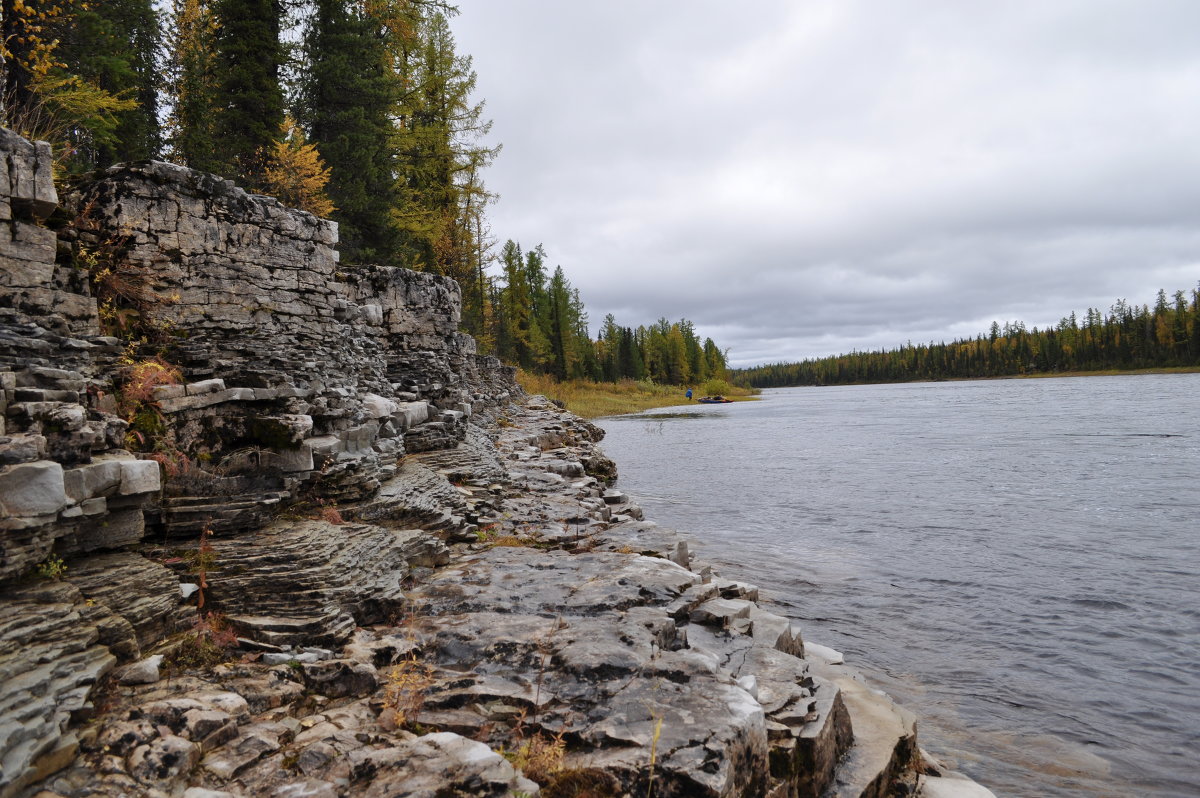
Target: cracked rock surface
357 559
610 643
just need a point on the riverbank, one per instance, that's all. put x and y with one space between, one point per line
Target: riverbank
996 555
559 644
593 400
1113 372
1031 376
328 550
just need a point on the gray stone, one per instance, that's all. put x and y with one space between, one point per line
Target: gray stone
410 414
163 762
340 678
721 612
144 671
139 476
291 461
20 448
614 496
94 479
32 489
311 582
205 387
309 788
200 792
442 763
161 392
283 658
377 406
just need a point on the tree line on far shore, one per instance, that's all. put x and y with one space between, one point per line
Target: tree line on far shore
541 325
1127 337
357 110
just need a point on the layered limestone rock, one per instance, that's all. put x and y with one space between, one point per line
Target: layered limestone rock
64 478
52 654
67 488
417 566
297 383
610 645
327 375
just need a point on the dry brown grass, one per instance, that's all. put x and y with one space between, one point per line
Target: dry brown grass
538 755
597 399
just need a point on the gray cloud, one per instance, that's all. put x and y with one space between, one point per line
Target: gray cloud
804 178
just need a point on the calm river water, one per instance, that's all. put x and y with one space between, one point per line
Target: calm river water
1016 561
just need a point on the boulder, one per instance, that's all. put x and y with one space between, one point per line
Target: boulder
144 671
32 489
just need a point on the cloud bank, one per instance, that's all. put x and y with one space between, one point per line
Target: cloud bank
805 178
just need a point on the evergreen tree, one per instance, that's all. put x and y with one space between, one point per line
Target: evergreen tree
1128 337
249 55
559 325
347 95
609 350
115 46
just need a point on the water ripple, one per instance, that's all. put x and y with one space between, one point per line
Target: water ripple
1014 560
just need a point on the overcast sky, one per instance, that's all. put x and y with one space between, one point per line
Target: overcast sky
802 178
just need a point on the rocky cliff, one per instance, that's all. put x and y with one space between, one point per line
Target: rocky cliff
269 525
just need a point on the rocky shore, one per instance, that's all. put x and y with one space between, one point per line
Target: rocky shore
336 553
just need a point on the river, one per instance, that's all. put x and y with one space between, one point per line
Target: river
1016 561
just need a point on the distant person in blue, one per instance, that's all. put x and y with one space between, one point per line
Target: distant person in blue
689 393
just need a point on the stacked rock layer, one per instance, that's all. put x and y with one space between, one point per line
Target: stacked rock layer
213 431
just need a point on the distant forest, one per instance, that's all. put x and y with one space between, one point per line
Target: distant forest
545 331
1127 337
361 111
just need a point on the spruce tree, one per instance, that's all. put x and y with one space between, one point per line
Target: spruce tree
115 46
249 56
347 93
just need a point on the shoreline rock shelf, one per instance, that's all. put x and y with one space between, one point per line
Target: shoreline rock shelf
426 584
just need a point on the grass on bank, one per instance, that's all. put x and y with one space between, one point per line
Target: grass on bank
1111 372
596 399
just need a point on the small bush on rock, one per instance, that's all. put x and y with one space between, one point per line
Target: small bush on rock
50 568
210 643
407 685
539 756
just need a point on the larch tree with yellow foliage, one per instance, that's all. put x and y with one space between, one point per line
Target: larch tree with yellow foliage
295 173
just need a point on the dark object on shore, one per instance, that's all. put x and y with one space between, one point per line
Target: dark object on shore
714 400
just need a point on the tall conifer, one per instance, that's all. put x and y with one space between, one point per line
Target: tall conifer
441 159
116 45
192 86
249 57
347 94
